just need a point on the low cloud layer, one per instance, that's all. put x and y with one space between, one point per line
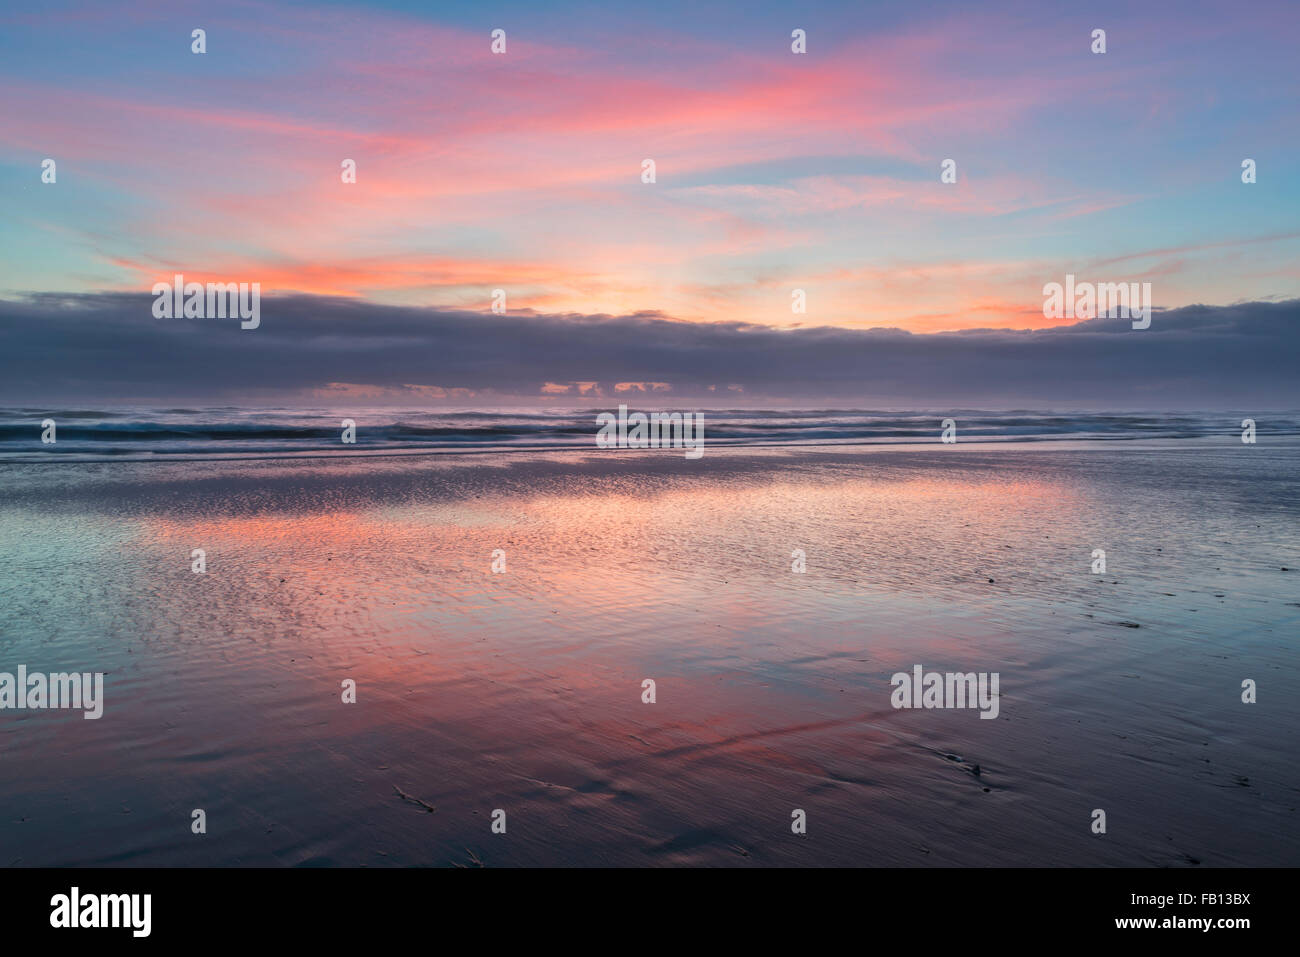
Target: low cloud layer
108 349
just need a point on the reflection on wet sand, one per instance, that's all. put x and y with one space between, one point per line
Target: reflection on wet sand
522 690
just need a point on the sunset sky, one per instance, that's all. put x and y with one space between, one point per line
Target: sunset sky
775 171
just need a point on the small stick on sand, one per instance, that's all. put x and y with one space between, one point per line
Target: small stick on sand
411 797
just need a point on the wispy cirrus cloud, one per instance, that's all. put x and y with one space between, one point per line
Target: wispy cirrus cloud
522 171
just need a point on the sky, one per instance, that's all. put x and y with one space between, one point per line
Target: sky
522 171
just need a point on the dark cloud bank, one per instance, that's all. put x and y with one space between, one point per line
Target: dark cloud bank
108 349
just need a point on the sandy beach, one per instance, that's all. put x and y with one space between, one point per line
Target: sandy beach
521 690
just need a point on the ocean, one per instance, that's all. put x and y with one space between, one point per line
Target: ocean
234 432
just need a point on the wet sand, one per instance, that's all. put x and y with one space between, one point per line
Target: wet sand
522 691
